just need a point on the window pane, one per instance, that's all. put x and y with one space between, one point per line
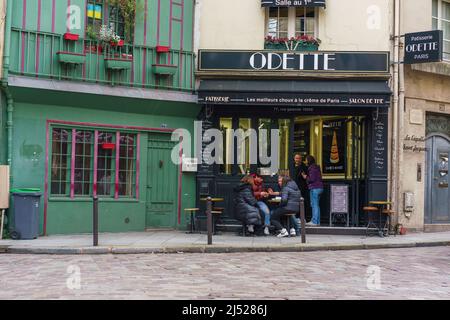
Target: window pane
61 157
106 163
278 22
284 127
305 21
445 10
264 141
226 125
435 8
243 153
127 165
83 163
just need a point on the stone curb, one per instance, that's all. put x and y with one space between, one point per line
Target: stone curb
216 248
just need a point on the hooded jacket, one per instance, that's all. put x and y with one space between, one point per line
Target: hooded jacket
290 197
245 205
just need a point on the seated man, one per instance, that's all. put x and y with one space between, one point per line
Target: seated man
260 193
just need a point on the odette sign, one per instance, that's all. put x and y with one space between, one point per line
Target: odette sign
268 61
422 47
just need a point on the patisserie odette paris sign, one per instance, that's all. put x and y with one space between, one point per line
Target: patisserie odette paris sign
263 61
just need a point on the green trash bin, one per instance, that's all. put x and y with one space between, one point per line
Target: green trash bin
25 220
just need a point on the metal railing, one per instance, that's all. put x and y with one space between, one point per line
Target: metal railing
35 54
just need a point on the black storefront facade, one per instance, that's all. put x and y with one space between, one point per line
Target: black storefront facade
332 105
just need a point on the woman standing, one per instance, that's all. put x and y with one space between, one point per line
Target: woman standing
315 186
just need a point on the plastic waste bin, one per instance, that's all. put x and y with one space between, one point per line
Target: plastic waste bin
25 220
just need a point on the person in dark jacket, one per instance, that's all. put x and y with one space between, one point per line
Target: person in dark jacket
300 168
290 203
315 185
246 209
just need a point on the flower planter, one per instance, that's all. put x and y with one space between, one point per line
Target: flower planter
108 146
96 49
118 64
164 69
71 36
162 49
284 47
118 44
71 58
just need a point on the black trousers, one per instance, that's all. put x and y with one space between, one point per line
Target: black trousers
277 217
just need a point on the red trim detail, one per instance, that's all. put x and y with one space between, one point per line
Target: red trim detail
71 53
38 41
93 124
181 57
94 191
68 15
53 15
72 165
138 163
108 146
47 159
164 65
116 193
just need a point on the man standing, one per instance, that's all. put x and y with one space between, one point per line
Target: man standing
300 169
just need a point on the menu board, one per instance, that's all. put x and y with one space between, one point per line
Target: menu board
302 138
339 199
379 164
334 135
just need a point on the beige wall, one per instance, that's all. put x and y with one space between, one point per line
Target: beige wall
427 89
361 25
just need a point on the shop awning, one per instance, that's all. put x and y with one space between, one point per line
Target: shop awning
324 93
293 3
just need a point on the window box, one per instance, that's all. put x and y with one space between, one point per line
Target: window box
165 69
121 43
108 146
162 49
93 48
71 36
71 58
118 64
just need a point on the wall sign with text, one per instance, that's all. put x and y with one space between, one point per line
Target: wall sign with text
293 3
268 61
421 47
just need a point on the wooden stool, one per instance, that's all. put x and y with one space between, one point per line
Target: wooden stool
387 225
192 212
288 218
215 213
369 211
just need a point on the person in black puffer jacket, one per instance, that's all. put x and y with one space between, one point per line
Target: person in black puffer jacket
245 206
290 203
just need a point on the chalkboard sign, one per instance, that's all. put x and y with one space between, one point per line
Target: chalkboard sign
339 201
379 138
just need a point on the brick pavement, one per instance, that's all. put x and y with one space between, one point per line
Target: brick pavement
414 273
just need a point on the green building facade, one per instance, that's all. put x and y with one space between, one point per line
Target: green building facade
93 115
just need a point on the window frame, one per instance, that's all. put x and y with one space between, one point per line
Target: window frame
292 19
439 19
116 158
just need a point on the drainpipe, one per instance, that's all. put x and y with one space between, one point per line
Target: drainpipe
395 110
4 82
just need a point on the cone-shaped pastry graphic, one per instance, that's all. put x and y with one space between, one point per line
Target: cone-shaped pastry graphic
334 157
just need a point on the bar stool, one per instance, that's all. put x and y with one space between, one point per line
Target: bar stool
387 225
370 211
192 212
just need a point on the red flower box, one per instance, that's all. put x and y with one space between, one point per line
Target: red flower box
71 36
119 44
108 146
162 49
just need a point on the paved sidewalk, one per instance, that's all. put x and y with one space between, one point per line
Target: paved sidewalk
177 241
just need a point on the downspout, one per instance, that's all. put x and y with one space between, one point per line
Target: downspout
4 83
395 138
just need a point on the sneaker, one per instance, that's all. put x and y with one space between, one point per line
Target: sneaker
251 228
293 232
311 224
283 234
266 231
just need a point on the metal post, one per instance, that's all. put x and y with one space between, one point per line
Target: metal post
209 219
1 225
303 219
95 222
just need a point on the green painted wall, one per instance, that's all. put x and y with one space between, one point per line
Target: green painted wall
3 140
149 13
75 216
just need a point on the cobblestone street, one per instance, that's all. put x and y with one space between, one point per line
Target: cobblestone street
416 273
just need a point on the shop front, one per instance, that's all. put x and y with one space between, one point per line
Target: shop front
331 105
